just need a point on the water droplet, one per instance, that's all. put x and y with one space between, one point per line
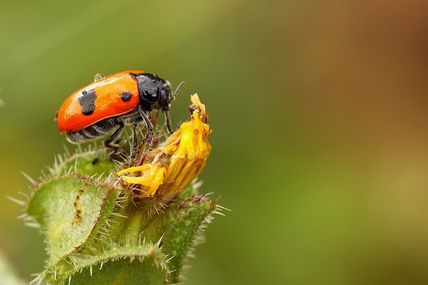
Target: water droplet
98 77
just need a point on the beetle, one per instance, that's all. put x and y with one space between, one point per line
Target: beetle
111 102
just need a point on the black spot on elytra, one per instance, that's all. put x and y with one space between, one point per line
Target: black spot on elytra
87 101
126 96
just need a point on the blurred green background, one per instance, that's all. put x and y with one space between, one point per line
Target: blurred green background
319 111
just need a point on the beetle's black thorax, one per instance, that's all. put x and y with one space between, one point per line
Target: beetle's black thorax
155 92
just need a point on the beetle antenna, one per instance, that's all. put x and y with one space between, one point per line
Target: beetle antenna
168 122
166 110
177 90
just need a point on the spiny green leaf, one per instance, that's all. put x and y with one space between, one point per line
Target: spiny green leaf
184 221
88 163
122 272
142 264
178 228
69 210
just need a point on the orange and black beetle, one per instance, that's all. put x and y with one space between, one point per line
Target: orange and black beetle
122 98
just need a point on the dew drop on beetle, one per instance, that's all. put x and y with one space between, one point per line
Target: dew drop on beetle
98 77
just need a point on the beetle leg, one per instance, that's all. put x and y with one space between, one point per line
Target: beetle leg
117 132
150 128
135 141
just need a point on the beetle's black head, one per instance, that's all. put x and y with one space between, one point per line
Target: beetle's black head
155 92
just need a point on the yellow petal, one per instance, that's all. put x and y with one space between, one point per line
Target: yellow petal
178 160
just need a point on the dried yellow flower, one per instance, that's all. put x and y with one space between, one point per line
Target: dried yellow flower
177 161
